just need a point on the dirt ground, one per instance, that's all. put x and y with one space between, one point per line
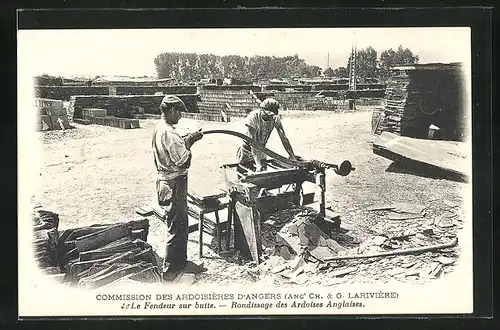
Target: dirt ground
94 174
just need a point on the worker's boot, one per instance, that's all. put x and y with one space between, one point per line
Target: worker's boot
193 268
170 276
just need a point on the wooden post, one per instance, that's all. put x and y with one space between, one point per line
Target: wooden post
229 223
322 185
200 233
217 224
297 188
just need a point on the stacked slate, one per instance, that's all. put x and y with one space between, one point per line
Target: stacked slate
370 102
310 101
124 123
282 88
396 98
205 116
81 121
151 90
99 117
117 105
46 239
50 115
423 95
233 102
92 112
65 92
102 255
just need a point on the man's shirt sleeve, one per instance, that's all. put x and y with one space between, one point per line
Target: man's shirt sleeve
277 121
177 150
252 120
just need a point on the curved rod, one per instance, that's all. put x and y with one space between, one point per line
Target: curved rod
420 249
270 153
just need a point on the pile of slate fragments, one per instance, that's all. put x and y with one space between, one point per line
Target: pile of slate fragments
406 243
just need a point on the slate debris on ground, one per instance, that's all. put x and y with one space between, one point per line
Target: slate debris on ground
434 227
295 244
418 231
300 235
304 269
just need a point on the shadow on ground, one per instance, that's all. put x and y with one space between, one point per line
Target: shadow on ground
424 170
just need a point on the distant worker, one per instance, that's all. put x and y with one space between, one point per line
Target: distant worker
259 126
172 158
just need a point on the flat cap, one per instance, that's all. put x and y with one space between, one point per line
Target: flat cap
172 99
270 104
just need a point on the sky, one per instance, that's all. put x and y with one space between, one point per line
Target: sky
132 52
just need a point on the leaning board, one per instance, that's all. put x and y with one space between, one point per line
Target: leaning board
450 156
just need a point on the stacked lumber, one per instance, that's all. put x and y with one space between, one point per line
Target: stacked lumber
51 115
45 238
102 255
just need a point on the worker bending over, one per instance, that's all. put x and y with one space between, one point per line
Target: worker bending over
259 126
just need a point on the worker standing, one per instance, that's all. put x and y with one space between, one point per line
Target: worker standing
259 126
172 158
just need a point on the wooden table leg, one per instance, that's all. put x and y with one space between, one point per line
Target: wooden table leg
217 224
322 185
229 224
200 233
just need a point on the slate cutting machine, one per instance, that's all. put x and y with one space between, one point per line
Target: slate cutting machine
255 195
